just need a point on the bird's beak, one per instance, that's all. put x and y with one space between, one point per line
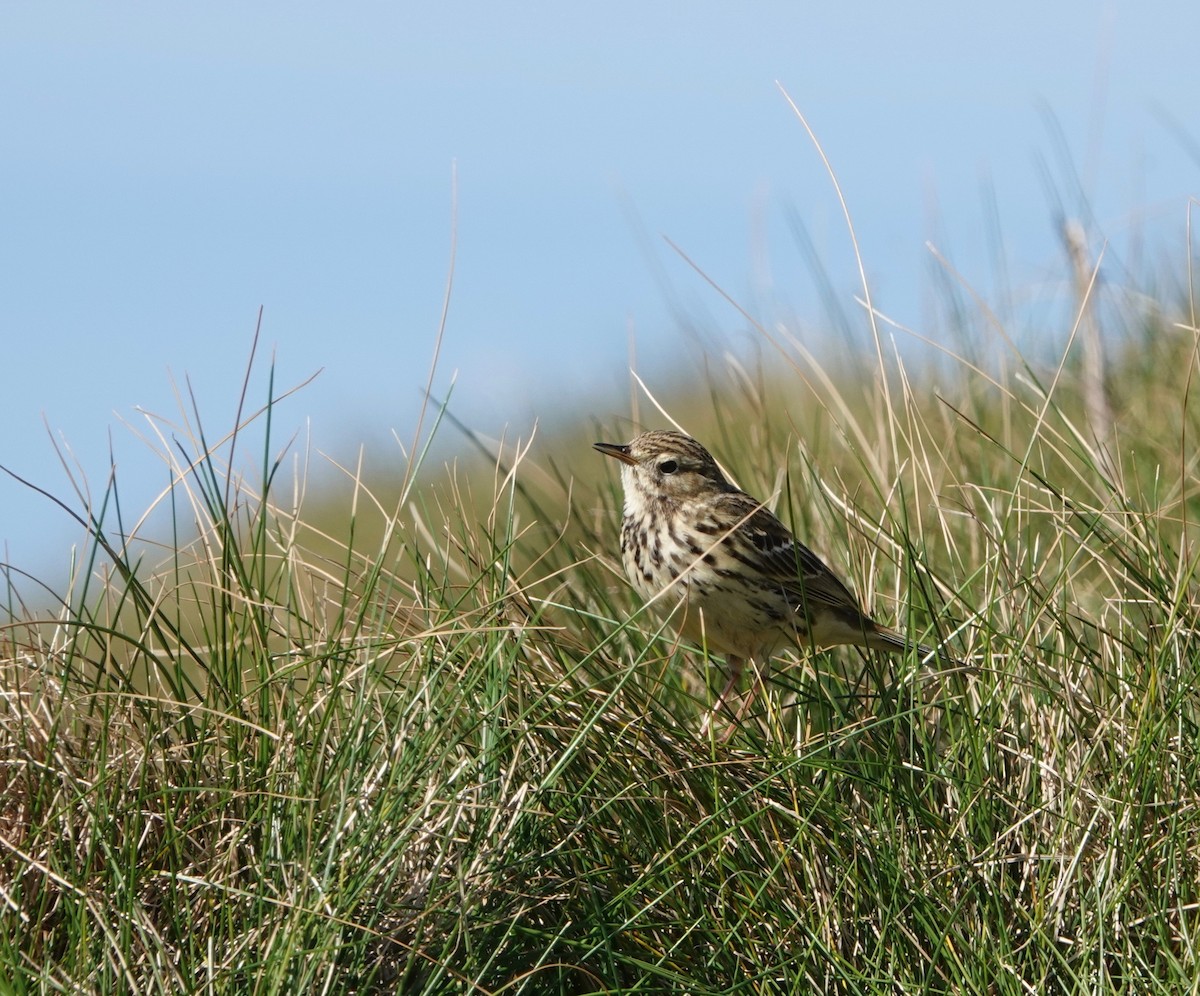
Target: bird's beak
616 450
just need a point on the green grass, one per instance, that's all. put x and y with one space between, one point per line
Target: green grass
433 744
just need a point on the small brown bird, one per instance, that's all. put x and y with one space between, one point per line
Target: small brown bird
748 588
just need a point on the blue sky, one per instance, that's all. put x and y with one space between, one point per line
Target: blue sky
170 168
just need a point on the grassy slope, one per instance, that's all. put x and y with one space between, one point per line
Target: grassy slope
436 746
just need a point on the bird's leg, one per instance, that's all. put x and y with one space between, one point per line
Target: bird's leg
736 665
759 684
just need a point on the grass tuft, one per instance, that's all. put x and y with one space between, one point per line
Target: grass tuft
433 743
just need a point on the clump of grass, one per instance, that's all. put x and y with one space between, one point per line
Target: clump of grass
436 745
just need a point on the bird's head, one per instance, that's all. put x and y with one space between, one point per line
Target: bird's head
664 466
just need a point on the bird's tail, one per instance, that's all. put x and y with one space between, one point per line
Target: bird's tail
892 642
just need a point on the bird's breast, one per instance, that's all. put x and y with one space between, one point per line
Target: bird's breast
730 609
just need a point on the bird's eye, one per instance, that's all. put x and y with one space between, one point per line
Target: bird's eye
668 467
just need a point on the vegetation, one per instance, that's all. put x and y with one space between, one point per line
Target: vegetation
436 745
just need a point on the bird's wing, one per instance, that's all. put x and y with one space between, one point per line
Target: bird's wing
778 556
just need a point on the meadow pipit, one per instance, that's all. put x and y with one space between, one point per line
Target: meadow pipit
748 588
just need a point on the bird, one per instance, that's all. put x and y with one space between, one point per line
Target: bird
739 582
